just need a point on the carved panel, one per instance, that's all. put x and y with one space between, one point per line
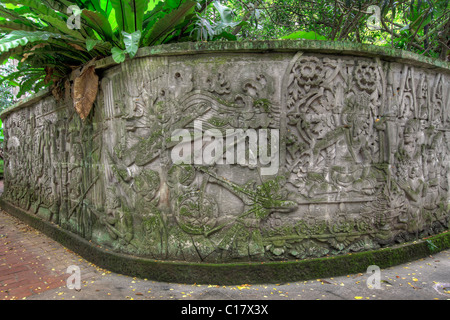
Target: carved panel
361 146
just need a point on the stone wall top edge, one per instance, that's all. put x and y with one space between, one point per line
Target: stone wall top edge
269 46
26 102
317 46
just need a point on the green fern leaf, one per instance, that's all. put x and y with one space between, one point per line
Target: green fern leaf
18 38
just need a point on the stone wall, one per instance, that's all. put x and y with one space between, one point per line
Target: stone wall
360 137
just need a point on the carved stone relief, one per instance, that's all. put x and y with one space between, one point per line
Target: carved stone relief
363 149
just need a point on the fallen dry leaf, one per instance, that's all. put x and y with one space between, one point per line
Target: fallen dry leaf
323 281
85 88
415 288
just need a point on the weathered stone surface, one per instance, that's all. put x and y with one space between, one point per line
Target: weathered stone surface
363 153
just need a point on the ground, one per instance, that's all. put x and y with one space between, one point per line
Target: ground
34 267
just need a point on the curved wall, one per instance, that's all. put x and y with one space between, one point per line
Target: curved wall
357 152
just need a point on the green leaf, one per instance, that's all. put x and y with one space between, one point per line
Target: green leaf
8 26
130 13
172 4
139 7
152 4
91 43
99 23
152 16
158 31
311 35
28 84
14 16
118 54
38 6
58 5
18 38
226 35
124 15
106 7
92 5
131 41
62 27
11 53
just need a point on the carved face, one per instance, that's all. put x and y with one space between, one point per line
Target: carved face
410 144
410 138
414 172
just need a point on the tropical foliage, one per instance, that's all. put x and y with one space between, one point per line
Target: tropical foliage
7 94
421 26
51 38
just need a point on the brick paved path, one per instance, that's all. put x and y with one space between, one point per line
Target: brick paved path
31 263
34 266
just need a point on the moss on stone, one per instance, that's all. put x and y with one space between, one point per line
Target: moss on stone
234 273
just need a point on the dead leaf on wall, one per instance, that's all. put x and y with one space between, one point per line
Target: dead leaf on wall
85 88
56 92
48 74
